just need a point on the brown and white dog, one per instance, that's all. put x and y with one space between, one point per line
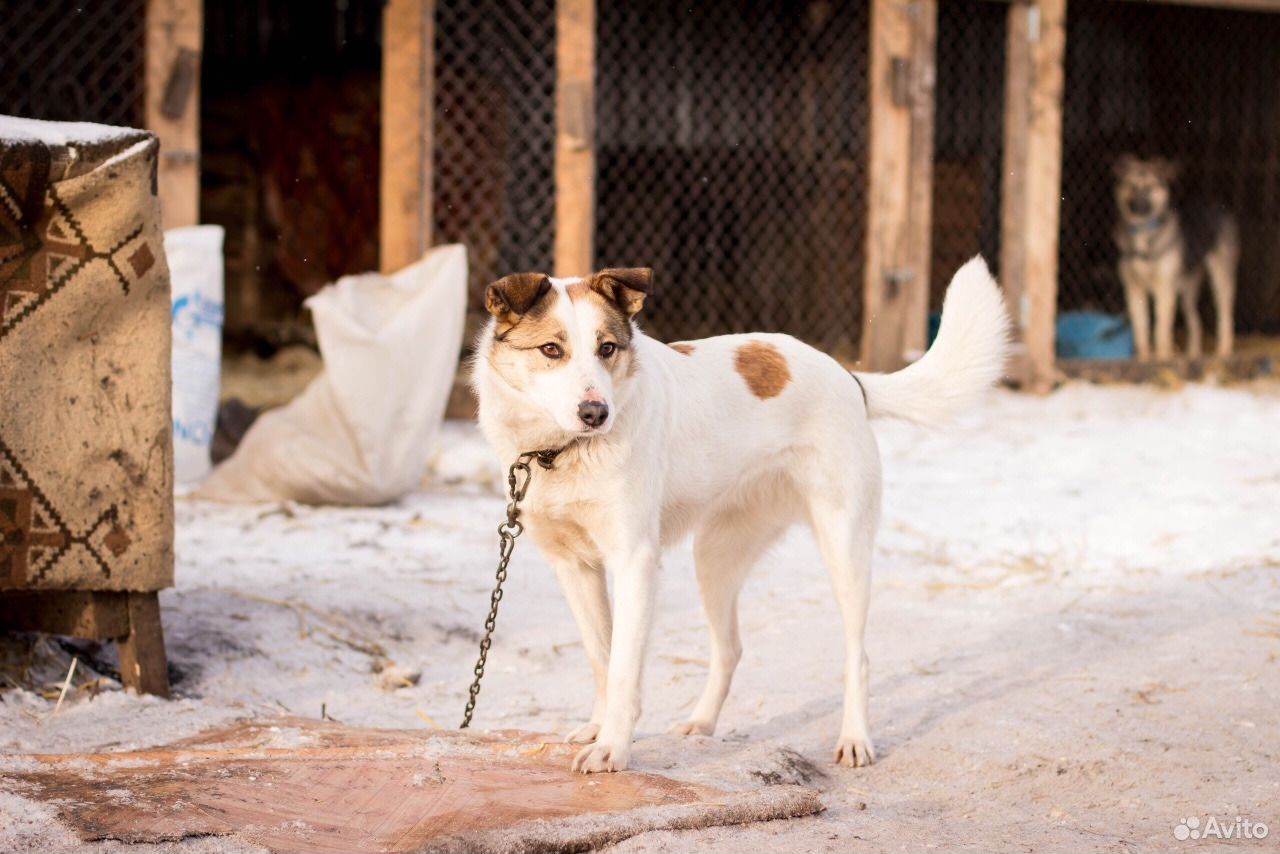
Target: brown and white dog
732 439
1165 252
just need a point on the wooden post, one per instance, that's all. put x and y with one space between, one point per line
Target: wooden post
408 93
900 182
1032 183
173 43
143 664
924 73
575 137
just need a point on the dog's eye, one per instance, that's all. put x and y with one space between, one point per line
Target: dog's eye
607 349
551 351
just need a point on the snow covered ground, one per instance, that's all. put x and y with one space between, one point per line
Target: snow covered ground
1075 638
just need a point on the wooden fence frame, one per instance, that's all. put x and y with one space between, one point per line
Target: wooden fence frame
902 70
174 39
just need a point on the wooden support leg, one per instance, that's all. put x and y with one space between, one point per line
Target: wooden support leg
143 665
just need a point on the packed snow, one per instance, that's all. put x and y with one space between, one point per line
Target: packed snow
1041 563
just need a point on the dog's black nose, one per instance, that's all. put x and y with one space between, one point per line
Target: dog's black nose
592 413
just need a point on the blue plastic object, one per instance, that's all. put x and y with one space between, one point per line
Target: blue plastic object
935 320
1091 335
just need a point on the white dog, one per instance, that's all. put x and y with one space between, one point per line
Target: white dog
733 438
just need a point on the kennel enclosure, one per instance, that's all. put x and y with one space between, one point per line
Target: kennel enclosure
811 167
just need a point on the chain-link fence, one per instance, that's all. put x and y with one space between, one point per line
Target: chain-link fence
968 138
1198 86
731 159
494 168
67 60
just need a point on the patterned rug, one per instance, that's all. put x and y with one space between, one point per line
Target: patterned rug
85 458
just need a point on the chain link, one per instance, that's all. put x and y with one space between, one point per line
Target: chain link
518 478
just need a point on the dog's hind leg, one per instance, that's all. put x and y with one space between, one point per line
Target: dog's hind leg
1221 264
845 532
724 551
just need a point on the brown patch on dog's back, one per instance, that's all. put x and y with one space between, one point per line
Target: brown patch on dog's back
763 367
683 349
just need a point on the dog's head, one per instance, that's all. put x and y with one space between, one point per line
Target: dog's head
564 345
1143 187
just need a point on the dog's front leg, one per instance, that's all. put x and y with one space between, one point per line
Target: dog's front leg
580 571
1139 312
588 594
635 582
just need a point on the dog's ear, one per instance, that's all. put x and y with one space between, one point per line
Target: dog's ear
626 286
1123 164
511 297
1167 170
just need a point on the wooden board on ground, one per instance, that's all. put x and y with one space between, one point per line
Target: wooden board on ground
299 785
1239 366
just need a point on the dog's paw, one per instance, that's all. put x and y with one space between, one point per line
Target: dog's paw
693 728
584 734
854 752
596 758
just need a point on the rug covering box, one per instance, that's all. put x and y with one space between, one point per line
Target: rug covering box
86 457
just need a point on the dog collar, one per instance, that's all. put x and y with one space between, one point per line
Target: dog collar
1148 224
546 458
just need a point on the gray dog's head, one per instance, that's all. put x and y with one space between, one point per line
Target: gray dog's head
1143 187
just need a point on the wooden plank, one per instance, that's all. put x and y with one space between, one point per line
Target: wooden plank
1013 188
143 664
173 44
408 94
1239 5
575 137
77 613
354 790
1171 372
899 185
1033 178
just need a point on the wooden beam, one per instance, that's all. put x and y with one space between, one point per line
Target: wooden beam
132 620
1032 182
924 74
575 137
1239 5
408 93
1013 187
173 44
76 613
900 182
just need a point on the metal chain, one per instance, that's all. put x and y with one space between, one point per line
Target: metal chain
518 478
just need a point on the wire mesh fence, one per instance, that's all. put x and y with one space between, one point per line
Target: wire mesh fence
74 61
1197 86
731 158
968 138
494 167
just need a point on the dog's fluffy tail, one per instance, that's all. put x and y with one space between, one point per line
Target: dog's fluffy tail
967 357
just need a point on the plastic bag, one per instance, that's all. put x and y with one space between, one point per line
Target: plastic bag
195 273
363 431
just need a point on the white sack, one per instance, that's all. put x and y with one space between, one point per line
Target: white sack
195 271
363 431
